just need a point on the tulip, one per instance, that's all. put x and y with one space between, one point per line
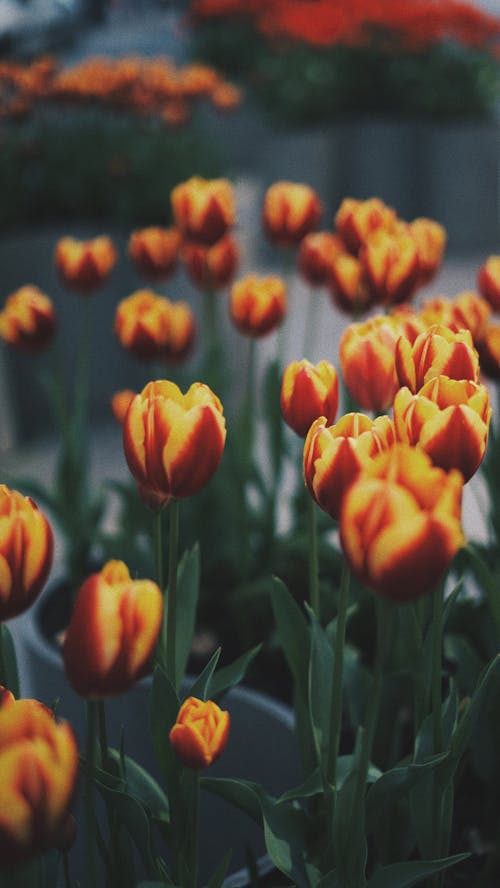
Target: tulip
488 281
489 351
391 265
317 251
437 352
430 238
120 402
112 632
142 324
26 550
357 220
38 770
257 304
448 419
155 251
348 285
84 265
211 268
200 733
225 96
173 442
28 320
291 210
400 523
308 392
334 455
467 311
182 332
366 352
203 209
409 321
6 697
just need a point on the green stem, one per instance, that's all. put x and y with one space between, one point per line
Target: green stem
311 323
103 739
338 662
67 875
89 795
249 417
314 596
172 591
195 814
437 723
161 652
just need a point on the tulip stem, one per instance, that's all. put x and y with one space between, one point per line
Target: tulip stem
103 738
89 795
67 875
437 722
194 830
311 323
172 592
338 662
314 596
160 579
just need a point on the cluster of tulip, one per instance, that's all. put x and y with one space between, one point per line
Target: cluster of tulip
393 487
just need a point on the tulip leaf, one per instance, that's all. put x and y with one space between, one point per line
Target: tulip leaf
243 794
165 705
488 580
286 829
404 875
391 785
320 690
294 635
140 784
312 786
201 687
271 408
225 679
11 678
221 872
188 587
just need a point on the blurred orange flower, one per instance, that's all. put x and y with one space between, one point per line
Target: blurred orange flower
258 304
291 210
28 320
84 265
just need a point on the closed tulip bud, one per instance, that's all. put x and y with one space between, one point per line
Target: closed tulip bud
120 402
291 210
112 632
357 220
409 322
26 551
467 311
390 261
84 265
258 304
367 354
348 285
430 238
203 209
317 251
182 332
437 352
308 392
489 351
28 320
400 523
334 455
200 733
38 771
155 251
211 268
173 442
488 281
142 324
448 419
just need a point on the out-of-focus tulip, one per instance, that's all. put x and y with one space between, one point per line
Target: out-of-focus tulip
28 320
366 353
437 352
155 251
488 281
258 304
182 332
112 632
447 418
38 770
211 268
200 733
334 455
357 220
225 96
489 351
173 442
84 265
467 311
390 261
308 392
6 697
291 210
409 321
400 523
348 285
120 403
203 209
317 251
142 324
430 238
26 551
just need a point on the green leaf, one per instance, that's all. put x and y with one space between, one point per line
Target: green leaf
293 632
229 676
320 690
271 388
201 687
11 678
286 830
391 785
132 815
165 705
487 579
188 587
312 786
243 794
221 872
404 875
140 784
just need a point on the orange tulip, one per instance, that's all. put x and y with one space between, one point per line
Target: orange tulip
437 352
348 285
488 281
182 332
84 265
6 697
448 419
467 311
200 733
317 251
400 523
409 321
257 304
430 238
26 550
308 392
173 442
203 209
211 268
334 455
155 251
112 632
366 352
28 320
356 220
291 210
153 328
489 351
120 402
38 770
225 96
391 265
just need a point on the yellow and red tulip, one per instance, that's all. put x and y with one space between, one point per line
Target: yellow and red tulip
430 238
155 251
84 265
357 220
26 551
367 355
258 304
308 392
488 281
203 209
28 320
348 285
200 733
317 251
153 328
466 311
211 268
391 265
489 351
291 210
437 352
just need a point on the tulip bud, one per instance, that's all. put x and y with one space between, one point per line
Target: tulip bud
203 209
357 220
437 352
211 268
430 238
317 251
291 210
467 311
225 96
308 392
366 354
489 351
84 265
26 550
182 332
112 632
488 281
142 324
120 402
155 251
409 322
348 285
200 733
334 456
257 305
390 261
173 442
400 523
38 770
28 320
